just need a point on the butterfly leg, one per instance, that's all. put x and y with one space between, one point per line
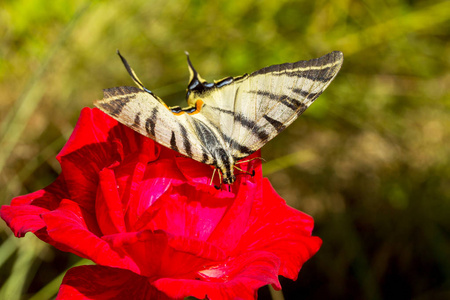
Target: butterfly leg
239 169
248 160
245 161
246 172
220 179
212 177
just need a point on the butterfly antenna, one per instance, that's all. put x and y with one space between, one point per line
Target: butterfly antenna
195 80
133 74
192 72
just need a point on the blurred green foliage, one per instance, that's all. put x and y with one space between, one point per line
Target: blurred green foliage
369 161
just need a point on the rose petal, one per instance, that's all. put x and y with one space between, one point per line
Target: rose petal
71 226
237 278
132 171
186 211
104 283
228 232
23 215
108 207
195 171
157 179
160 254
23 219
282 230
81 174
92 128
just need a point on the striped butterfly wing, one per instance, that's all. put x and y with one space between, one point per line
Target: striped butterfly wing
281 93
147 114
253 109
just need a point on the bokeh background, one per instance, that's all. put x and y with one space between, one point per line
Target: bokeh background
369 160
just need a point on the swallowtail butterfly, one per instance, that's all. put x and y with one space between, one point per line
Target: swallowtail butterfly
228 119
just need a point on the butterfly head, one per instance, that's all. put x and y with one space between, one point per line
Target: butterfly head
227 173
229 180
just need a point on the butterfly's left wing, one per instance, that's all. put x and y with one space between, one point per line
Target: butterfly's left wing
147 114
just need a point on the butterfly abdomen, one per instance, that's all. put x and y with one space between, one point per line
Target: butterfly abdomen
225 163
215 147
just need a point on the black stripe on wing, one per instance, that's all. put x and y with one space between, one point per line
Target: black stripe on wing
151 122
311 74
244 122
186 143
137 121
115 99
307 94
290 102
173 142
309 69
279 126
242 149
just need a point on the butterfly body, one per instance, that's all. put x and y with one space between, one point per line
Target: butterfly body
226 120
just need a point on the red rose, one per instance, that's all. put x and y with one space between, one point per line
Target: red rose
153 224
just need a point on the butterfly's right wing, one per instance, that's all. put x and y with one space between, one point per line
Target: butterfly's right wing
253 109
148 115
279 94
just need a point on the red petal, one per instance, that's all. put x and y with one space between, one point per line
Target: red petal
24 213
104 283
108 206
236 278
158 177
228 232
92 127
160 254
186 211
95 127
86 153
195 171
129 176
70 226
23 219
48 197
282 230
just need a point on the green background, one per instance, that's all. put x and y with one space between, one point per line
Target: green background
369 160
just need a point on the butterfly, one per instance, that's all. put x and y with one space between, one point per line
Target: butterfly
228 119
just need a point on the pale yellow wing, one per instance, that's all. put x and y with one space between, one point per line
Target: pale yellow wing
146 114
253 109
